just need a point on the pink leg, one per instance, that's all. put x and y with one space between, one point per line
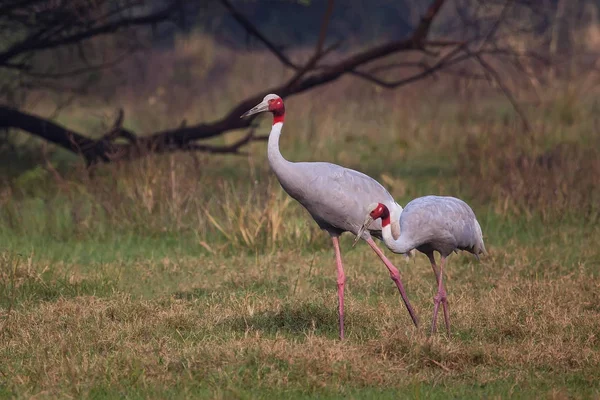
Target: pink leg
444 299
440 297
395 275
341 280
434 267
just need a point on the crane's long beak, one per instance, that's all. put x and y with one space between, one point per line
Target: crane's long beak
364 226
261 107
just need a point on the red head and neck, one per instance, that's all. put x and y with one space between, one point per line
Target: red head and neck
381 211
271 103
277 108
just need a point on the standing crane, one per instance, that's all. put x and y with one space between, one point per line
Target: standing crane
336 198
431 223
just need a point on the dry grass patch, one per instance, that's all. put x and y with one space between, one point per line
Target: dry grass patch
247 339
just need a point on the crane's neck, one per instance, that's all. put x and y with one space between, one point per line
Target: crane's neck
282 167
400 245
273 153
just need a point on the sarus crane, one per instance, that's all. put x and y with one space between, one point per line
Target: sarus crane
336 198
431 223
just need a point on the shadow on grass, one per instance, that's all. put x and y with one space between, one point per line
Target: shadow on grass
278 288
194 294
292 319
36 290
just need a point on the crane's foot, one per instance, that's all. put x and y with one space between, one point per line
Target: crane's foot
440 298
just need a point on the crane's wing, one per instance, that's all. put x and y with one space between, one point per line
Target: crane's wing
447 221
340 196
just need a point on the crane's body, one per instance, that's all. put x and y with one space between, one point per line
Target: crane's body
432 223
437 223
335 197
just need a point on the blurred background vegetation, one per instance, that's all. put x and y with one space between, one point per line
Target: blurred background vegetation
453 132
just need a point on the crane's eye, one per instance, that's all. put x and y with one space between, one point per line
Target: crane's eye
271 101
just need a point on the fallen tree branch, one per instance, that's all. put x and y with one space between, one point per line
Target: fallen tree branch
307 76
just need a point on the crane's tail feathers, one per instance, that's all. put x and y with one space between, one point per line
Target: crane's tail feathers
409 255
480 247
481 250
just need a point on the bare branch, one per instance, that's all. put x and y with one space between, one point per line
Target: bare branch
498 79
39 40
253 30
422 30
318 49
398 65
496 25
324 26
76 71
441 63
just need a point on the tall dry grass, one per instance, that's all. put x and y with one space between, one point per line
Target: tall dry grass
537 173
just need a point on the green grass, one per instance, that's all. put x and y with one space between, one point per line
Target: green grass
175 277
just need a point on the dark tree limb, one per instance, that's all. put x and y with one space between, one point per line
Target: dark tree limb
45 129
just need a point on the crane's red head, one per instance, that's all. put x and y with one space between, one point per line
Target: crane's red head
271 103
379 210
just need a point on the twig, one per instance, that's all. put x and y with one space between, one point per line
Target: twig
496 25
324 26
441 63
54 35
439 364
318 49
76 71
426 20
406 64
118 131
498 79
253 30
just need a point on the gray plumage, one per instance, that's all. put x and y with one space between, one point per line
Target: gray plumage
335 197
438 223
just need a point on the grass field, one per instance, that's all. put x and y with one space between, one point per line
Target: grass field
196 276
